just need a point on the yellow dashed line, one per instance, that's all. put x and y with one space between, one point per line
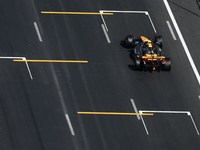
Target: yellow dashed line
67 61
75 13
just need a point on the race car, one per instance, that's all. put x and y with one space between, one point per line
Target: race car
147 53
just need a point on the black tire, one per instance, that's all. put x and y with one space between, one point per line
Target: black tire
129 41
159 41
168 64
137 63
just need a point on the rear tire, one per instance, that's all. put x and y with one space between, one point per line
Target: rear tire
167 65
129 41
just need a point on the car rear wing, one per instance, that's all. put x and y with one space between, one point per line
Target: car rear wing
148 58
153 57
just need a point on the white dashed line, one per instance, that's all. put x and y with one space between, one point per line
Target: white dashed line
70 125
182 41
38 32
135 108
171 30
106 34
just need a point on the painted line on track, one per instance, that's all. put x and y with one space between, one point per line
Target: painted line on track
136 12
135 108
18 58
28 68
182 41
113 113
171 30
75 13
119 11
194 123
168 112
62 61
106 34
104 21
37 31
70 125
151 22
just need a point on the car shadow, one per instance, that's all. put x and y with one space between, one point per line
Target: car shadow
123 44
131 54
198 3
131 67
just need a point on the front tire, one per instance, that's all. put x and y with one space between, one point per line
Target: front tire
159 41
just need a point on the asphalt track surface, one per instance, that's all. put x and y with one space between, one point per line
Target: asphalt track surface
33 111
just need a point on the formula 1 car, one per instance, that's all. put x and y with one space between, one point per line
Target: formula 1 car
147 53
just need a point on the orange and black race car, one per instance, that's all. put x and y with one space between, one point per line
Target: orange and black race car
147 53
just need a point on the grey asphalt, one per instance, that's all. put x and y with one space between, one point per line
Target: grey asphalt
32 112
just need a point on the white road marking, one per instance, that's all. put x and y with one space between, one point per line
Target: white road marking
199 97
28 67
151 21
171 30
70 125
171 112
118 11
135 108
64 107
23 58
194 123
136 12
2 57
38 32
145 127
104 21
106 35
182 41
